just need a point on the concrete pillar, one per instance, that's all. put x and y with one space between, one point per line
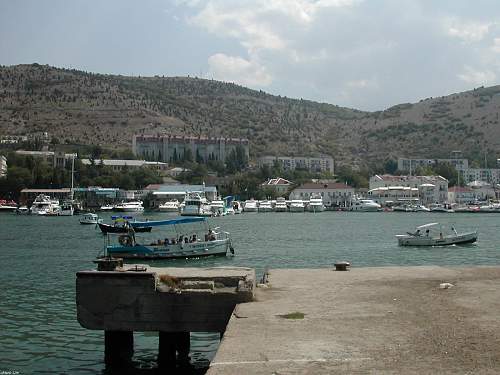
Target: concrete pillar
118 348
173 349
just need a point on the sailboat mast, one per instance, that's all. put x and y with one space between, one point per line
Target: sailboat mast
72 175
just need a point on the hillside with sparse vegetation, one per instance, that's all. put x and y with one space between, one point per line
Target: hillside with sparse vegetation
80 108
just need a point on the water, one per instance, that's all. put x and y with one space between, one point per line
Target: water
39 257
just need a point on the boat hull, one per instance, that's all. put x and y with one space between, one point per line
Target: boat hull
177 251
106 228
462 238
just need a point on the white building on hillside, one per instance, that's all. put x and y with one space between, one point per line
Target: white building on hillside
333 194
119 165
313 164
409 165
432 189
489 175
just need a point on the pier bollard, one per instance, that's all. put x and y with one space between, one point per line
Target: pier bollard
342 266
173 349
118 348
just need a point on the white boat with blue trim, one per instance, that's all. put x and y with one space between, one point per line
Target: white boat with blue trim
188 241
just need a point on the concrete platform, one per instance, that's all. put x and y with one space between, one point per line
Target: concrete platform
161 299
391 320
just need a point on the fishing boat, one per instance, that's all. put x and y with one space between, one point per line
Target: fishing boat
90 218
433 234
121 224
187 242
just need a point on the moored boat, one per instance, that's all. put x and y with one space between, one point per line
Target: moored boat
90 218
201 242
281 205
297 205
169 206
195 205
433 234
316 203
250 206
265 206
132 206
43 205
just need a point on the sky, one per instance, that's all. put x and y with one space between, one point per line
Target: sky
363 54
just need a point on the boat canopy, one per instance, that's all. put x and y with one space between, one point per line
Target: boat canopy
181 220
427 225
121 217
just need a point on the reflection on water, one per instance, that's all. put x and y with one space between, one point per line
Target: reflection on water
40 255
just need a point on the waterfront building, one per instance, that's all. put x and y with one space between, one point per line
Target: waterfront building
333 194
120 165
171 148
461 195
312 164
409 164
279 185
483 190
432 189
159 193
3 166
393 195
489 175
57 159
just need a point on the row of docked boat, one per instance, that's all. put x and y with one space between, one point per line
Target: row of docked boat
44 205
315 204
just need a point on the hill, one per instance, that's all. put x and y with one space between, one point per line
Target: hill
77 107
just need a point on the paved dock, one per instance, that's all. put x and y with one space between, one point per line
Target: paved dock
392 320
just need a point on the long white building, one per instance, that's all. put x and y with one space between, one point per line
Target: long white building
333 194
409 164
432 189
489 175
313 164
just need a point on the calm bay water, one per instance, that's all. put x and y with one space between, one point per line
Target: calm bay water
39 257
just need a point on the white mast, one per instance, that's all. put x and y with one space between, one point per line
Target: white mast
72 173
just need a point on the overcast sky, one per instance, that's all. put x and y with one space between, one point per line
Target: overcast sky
365 54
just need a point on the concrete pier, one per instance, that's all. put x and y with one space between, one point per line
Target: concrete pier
396 320
172 301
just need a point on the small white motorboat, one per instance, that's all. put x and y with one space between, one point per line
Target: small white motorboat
90 218
433 234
